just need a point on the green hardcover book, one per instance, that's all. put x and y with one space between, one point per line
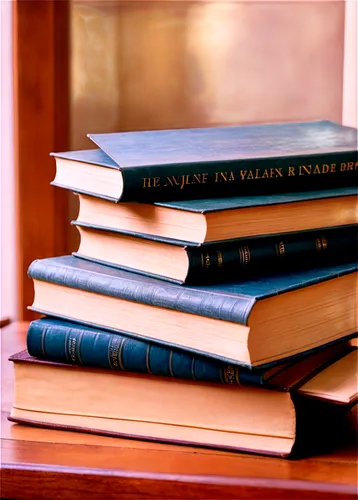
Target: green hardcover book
213 162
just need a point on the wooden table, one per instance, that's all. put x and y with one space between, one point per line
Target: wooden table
43 464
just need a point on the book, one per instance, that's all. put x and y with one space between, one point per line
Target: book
213 162
254 322
61 341
166 409
213 262
67 342
210 220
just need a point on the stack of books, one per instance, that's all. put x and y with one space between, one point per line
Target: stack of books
213 297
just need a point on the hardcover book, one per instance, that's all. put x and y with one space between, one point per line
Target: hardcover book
184 412
213 162
67 342
213 262
253 323
210 220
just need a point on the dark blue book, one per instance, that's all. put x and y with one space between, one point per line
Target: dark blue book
252 323
68 342
240 259
213 162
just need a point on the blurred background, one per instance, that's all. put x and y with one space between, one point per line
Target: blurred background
69 68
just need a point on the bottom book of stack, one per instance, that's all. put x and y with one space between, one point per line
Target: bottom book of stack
80 378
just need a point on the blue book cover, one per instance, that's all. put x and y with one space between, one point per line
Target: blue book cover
67 342
226 261
227 161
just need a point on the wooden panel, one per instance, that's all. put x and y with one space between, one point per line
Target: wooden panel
41 125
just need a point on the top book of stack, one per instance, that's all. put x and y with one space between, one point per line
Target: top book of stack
212 162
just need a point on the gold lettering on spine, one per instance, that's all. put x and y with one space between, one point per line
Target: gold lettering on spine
72 348
193 368
220 258
207 260
112 355
171 363
230 374
172 181
183 180
78 348
147 360
280 249
109 355
223 175
243 174
305 169
245 256
321 244
120 362
43 335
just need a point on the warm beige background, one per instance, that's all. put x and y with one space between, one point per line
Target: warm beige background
147 65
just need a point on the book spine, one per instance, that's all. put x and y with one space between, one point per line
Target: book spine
64 343
250 257
240 177
150 291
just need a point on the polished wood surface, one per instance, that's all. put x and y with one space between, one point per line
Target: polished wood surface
43 464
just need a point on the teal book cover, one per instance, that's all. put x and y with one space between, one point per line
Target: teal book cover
227 161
